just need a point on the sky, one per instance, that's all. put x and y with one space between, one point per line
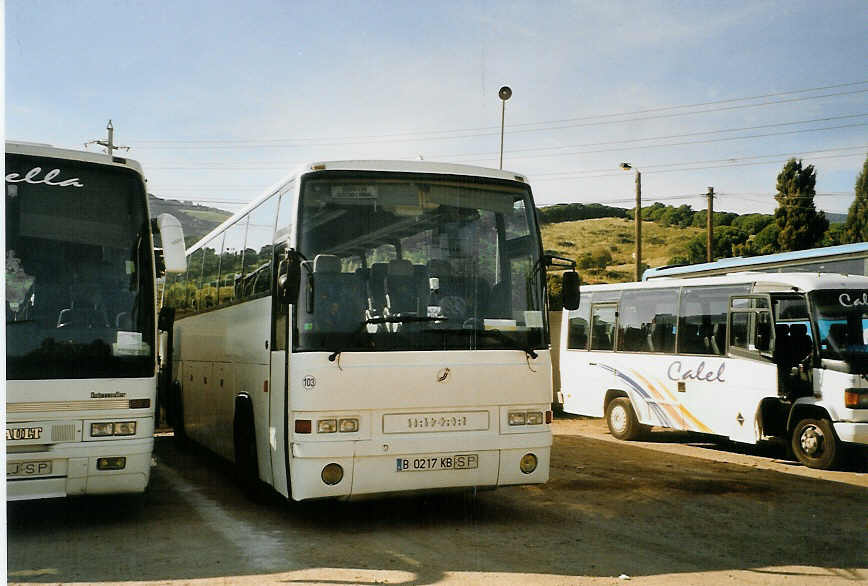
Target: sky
220 99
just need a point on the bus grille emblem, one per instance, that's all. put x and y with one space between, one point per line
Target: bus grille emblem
443 375
24 433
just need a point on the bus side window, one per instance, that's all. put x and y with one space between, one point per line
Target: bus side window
603 327
577 335
258 250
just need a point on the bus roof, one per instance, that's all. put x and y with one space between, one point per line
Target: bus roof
859 249
767 281
377 165
46 150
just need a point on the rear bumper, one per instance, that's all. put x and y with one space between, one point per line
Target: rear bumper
854 433
74 470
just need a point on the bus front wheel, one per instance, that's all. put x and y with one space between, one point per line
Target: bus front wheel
815 444
621 419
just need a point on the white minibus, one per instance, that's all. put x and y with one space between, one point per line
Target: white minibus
748 356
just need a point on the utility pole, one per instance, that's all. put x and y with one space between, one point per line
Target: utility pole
109 143
709 224
638 225
637 218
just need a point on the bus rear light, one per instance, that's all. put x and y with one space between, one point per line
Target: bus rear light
528 463
105 429
517 417
332 474
534 417
349 425
140 403
115 463
302 426
327 426
856 398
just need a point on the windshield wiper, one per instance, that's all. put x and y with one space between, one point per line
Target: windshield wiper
387 319
499 335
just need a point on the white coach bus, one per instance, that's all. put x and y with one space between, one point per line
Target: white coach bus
370 327
748 356
80 322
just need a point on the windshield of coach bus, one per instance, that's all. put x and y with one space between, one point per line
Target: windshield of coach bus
409 262
79 290
842 324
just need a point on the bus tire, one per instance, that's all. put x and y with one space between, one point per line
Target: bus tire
175 414
815 444
244 440
621 419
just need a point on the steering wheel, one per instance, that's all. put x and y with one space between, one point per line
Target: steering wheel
453 307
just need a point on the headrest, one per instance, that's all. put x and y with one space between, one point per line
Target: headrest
378 270
439 267
400 268
782 329
798 330
326 263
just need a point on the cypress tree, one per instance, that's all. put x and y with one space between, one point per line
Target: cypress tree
801 225
856 226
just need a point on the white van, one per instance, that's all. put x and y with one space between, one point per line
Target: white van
748 356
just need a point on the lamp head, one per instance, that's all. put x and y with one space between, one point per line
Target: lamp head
505 93
626 166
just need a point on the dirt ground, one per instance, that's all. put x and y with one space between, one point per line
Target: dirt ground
675 510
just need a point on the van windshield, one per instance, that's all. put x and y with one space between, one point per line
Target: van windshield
842 324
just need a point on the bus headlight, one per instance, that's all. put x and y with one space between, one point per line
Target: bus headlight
104 429
326 425
528 463
116 463
534 417
332 474
349 425
516 417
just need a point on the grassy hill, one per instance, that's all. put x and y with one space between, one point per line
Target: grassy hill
590 238
196 220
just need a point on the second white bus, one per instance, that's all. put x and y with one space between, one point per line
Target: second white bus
749 356
370 327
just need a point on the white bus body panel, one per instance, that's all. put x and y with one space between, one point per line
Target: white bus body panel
482 386
62 410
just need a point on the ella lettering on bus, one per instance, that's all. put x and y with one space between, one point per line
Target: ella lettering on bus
31 177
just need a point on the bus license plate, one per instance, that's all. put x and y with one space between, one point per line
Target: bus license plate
39 468
433 463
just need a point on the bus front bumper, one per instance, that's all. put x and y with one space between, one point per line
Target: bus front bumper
71 469
850 432
406 472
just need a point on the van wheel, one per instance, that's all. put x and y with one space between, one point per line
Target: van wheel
621 419
815 444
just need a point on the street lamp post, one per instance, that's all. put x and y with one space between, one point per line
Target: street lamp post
637 217
505 93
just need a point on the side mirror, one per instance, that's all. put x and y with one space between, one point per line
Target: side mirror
570 290
172 235
289 277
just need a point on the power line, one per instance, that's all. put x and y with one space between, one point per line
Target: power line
454 134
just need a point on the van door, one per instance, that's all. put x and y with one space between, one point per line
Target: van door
752 374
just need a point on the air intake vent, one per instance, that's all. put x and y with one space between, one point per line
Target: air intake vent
63 432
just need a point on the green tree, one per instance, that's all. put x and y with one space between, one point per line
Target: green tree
856 226
801 225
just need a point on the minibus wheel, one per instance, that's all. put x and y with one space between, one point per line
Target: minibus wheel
815 444
622 420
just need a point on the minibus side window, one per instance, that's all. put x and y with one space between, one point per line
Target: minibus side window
702 319
603 326
577 336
